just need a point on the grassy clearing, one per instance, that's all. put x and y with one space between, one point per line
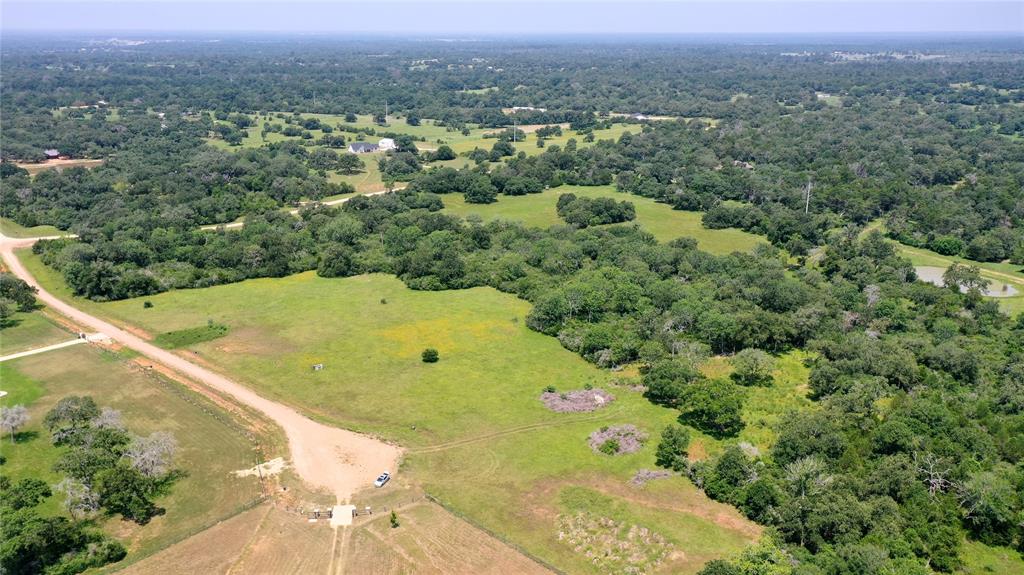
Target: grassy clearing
479 91
980 559
763 407
13 229
191 336
29 331
659 219
479 438
211 445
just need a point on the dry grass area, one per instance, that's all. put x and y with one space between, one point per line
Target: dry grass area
35 168
212 551
613 546
429 539
269 540
265 539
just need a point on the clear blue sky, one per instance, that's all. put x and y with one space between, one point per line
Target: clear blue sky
487 17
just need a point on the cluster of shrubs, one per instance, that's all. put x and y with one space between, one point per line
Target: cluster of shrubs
584 212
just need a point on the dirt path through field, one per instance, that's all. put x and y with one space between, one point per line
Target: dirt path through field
336 460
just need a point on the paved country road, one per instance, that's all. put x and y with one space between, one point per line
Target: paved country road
325 457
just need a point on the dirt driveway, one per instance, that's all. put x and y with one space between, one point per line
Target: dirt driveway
325 457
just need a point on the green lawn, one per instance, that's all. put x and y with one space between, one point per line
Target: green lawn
659 219
12 229
980 559
211 444
479 438
31 330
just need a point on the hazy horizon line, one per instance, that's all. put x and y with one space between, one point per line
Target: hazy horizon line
503 17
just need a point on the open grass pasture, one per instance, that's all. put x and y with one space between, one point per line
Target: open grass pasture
29 331
981 559
479 439
659 219
211 444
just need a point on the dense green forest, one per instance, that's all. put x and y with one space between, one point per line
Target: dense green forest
917 439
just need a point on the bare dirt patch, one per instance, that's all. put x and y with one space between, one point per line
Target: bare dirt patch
265 469
617 439
35 168
253 341
645 475
577 401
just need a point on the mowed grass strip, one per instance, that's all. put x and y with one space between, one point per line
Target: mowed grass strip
210 445
539 210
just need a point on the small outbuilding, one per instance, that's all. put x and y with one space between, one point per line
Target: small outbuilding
51 154
386 144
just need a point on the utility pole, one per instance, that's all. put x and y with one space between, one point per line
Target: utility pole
514 128
807 196
385 111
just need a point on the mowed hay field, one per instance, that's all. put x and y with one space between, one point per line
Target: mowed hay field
659 219
210 444
428 540
479 439
269 540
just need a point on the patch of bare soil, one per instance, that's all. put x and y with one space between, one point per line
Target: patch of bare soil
576 401
644 475
617 439
35 168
